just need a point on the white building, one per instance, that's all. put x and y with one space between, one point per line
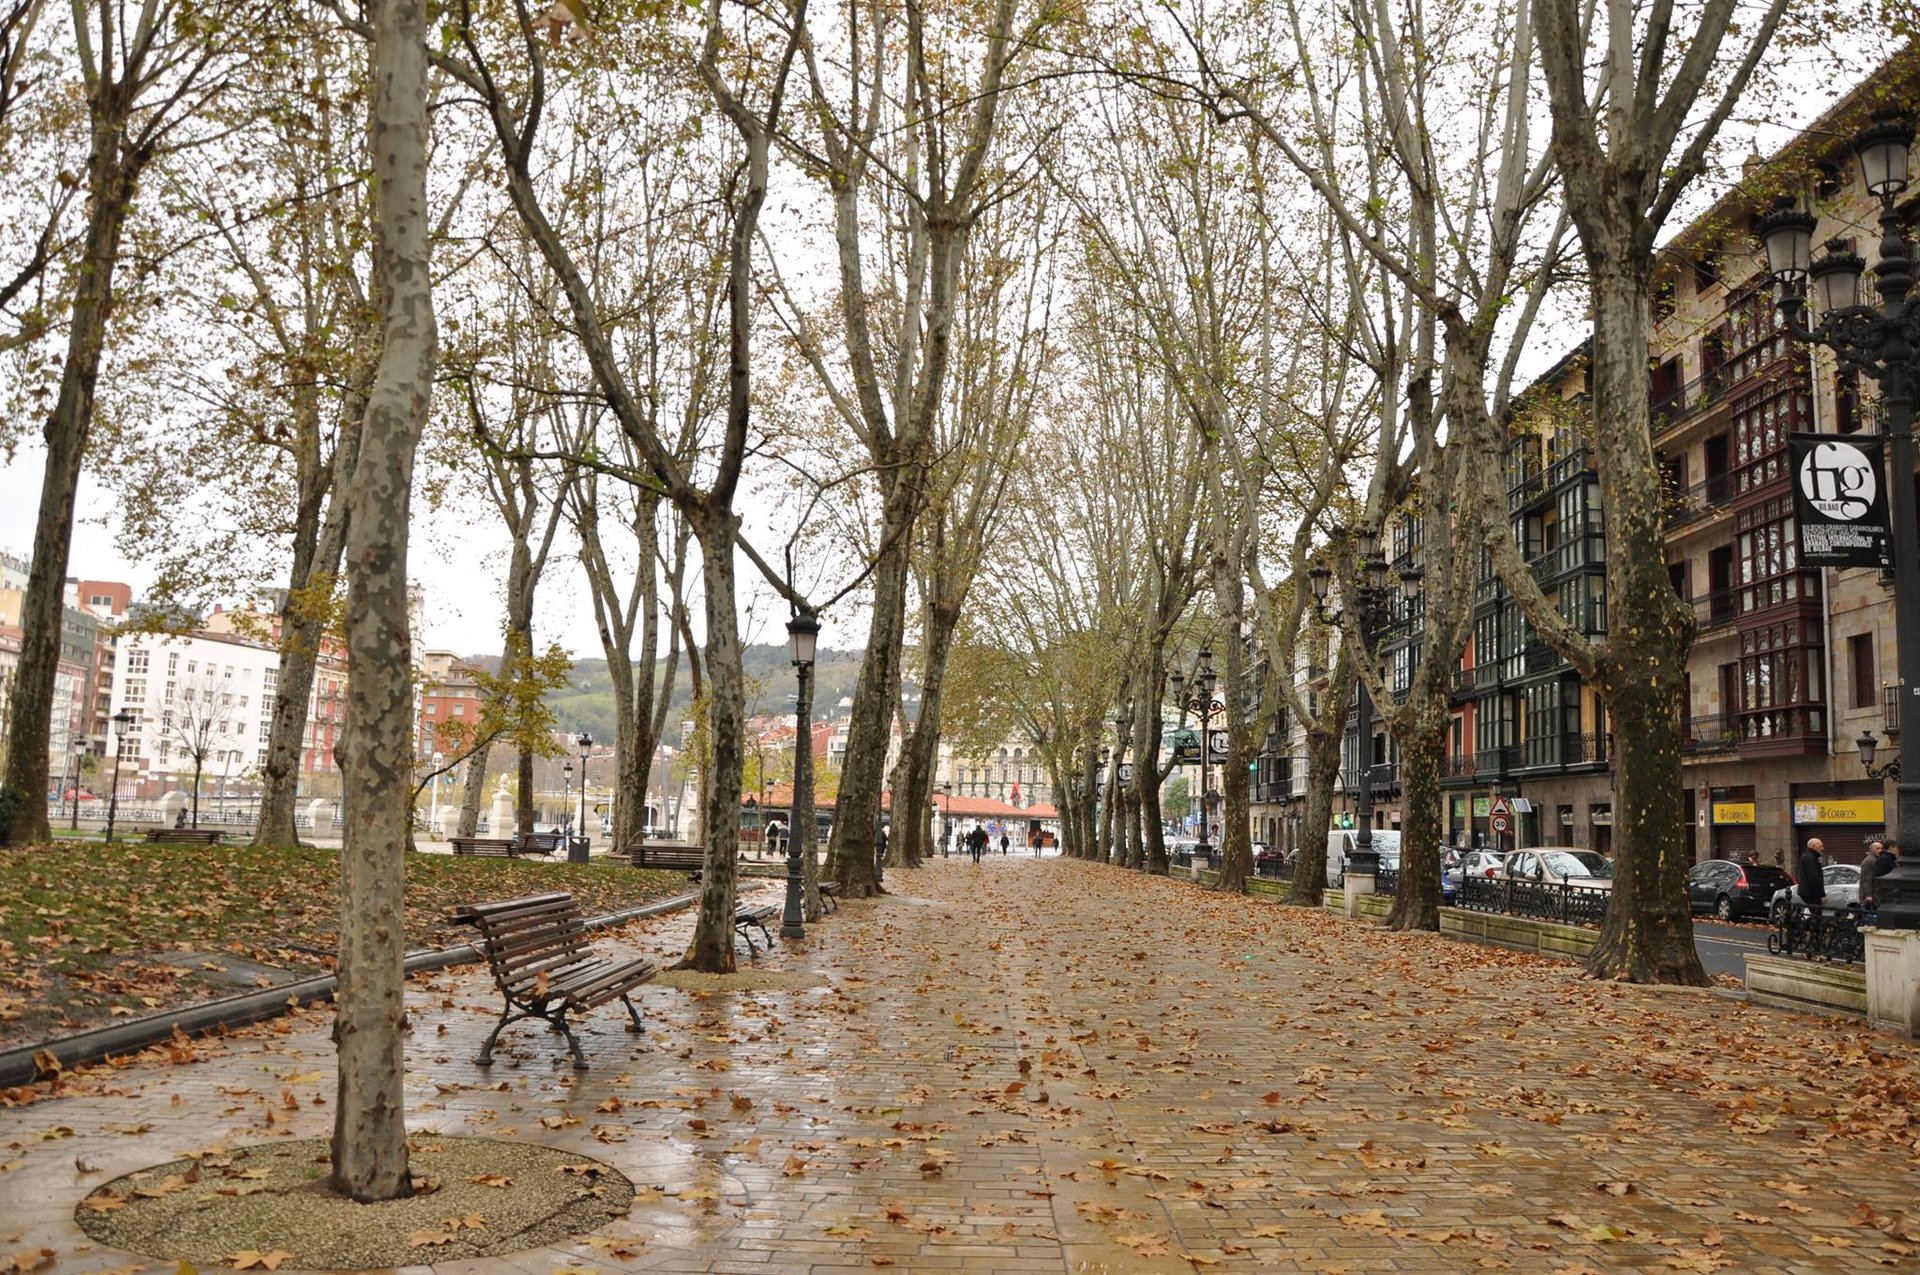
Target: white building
205 694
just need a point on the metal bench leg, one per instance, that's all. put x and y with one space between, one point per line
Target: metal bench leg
746 934
763 934
512 1014
573 1042
632 1013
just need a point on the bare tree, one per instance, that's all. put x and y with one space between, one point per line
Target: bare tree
145 70
197 723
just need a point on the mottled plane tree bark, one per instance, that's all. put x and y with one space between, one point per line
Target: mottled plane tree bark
369 1150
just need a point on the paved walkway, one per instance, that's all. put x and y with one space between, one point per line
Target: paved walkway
1049 1066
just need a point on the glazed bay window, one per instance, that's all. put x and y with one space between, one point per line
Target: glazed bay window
1761 422
1583 603
1781 695
1767 559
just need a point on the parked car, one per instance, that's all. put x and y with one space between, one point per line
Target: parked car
1180 852
1842 881
1484 864
1730 890
1340 843
1559 865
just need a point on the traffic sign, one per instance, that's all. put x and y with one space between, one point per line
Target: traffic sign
1502 824
1501 806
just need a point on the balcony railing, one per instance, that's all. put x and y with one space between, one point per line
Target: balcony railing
1574 463
1458 766
1684 400
1463 680
1699 500
1384 775
1589 549
1717 607
1719 733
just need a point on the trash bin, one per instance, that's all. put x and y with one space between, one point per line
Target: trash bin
577 849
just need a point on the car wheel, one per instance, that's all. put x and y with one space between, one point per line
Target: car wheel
1778 914
1724 908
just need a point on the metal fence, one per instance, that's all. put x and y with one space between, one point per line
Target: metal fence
1831 934
1386 880
1572 904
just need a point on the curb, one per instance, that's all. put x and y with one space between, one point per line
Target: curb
17 1066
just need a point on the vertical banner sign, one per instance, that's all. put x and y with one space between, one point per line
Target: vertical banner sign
1840 500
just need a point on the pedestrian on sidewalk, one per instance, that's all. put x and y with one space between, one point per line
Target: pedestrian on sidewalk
1003 843
1813 884
1869 870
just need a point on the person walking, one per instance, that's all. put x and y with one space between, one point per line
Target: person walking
1813 885
1004 843
879 851
976 842
1869 871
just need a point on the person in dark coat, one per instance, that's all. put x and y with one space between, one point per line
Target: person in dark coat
1813 882
1004 843
1869 870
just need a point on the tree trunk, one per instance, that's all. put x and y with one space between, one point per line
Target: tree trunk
369 1133
1236 831
1323 767
1422 744
110 186
475 791
711 950
198 762
870 728
1648 936
913 840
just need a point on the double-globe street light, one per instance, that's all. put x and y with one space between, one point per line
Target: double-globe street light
586 746
1884 342
803 637
1196 695
566 796
1371 612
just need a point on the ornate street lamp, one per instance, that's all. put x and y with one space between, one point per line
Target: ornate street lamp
1371 610
1195 695
803 637
123 719
1884 343
566 796
1867 745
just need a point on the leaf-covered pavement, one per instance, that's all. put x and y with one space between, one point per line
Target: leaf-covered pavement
90 933
1052 1066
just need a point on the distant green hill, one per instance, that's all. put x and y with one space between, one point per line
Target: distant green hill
587 703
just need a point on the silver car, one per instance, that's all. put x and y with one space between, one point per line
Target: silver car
1842 881
1559 865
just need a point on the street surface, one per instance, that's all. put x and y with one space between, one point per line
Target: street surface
1724 948
1051 1066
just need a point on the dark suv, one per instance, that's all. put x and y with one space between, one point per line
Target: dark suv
1732 890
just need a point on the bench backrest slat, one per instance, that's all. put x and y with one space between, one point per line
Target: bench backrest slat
525 938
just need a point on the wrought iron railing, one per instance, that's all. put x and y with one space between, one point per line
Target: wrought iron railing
1386 880
1822 933
1716 607
1685 399
1719 733
1699 500
1572 904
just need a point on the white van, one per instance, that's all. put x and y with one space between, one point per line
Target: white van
1340 843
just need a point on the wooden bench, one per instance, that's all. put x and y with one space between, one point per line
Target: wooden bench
540 843
498 847
691 860
541 962
748 917
829 895
184 836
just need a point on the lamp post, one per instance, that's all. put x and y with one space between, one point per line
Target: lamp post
1883 342
74 744
566 796
1371 611
123 719
1195 694
803 636
433 816
586 746
946 817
